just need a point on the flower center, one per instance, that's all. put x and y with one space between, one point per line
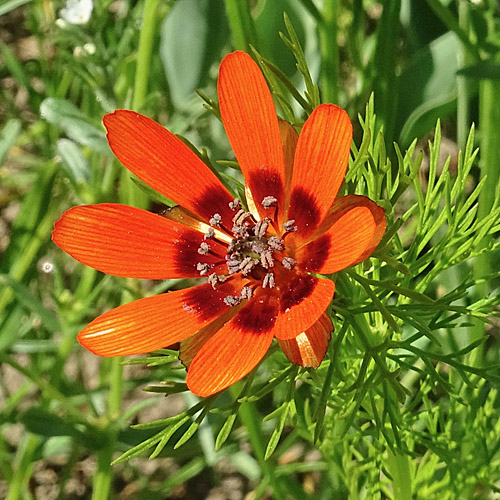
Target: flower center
253 251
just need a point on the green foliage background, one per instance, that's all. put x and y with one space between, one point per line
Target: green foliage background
406 403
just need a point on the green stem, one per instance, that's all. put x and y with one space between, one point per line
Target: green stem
252 421
463 119
144 53
86 283
384 64
116 389
489 117
329 79
104 475
101 485
241 24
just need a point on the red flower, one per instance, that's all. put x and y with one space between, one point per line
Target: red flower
258 258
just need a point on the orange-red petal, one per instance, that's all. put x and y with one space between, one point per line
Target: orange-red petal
380 225
232 352
320 163
164 162
155 322
342 245
308 348
133 243
227 356
190 346
303 299
251 124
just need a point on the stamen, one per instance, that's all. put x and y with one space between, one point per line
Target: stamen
235 204
209 234
213 279
246 293
232 300
289 226
288 262
268 281
215 220
233 265
261 227
231 247
247 264
240 217
239 230
269 201
203 268
275 243
204 248
266 259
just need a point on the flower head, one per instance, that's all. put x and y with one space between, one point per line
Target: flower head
259 256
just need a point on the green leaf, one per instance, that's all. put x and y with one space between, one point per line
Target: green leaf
427 88
45 423
30 231
15 68
190 45
8 136
152 193
225 431
278 430
30 302
75 164
161 438
484 70
66 116
269 22
193 468
9 5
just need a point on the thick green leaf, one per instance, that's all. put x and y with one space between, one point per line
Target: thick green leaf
14 67
269 23
44 423
66 116
74 163
8 136
11 5
427 88
192 37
